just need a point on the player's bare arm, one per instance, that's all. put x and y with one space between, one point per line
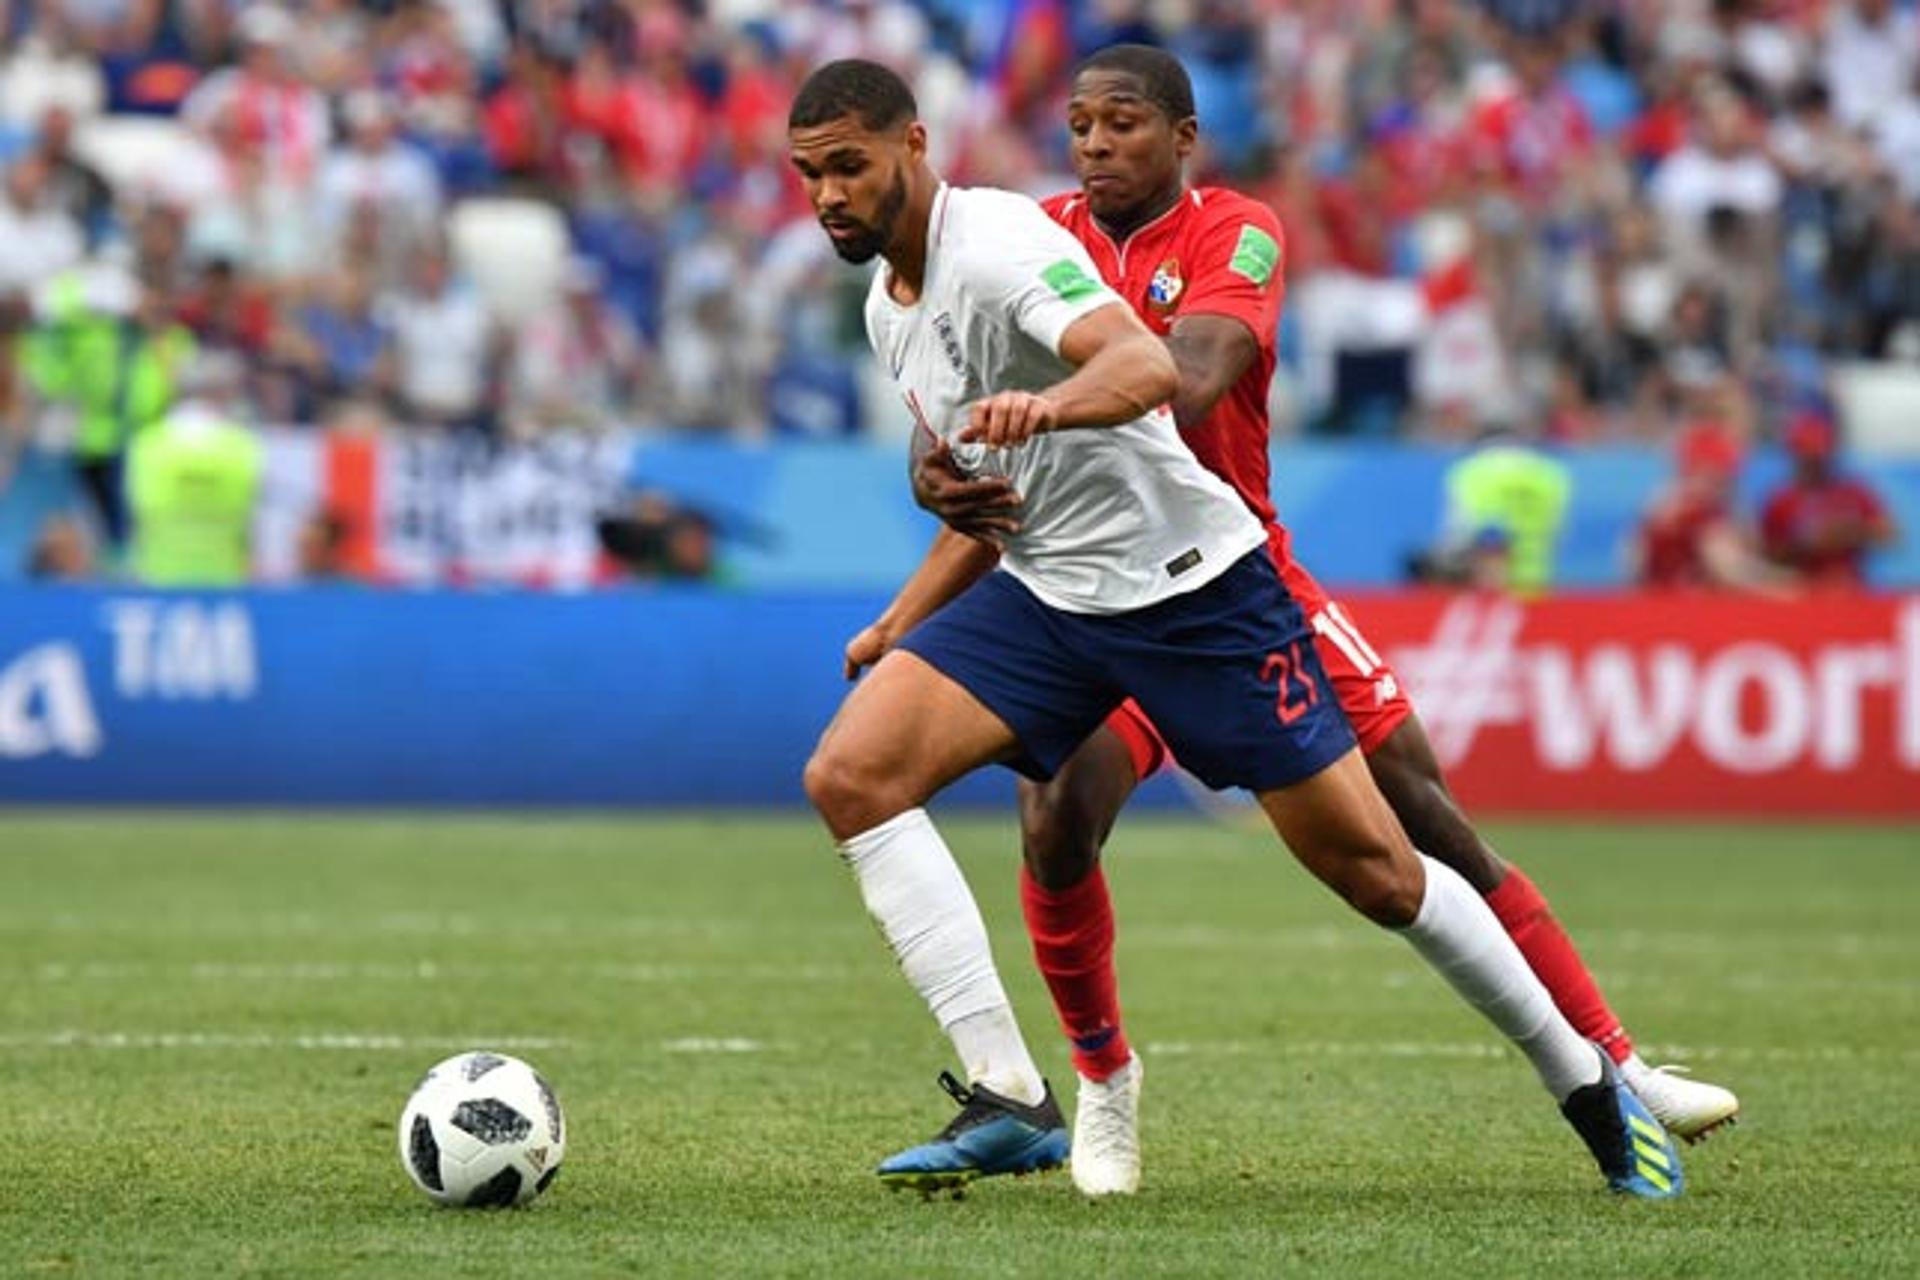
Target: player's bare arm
1212 353
1121 372
953 563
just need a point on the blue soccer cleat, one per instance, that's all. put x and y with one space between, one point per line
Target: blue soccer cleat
1635 1153
991 1135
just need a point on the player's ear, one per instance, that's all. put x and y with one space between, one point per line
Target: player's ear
1186 134
916 140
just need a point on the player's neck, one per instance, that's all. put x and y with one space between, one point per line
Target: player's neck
907 257
1146 211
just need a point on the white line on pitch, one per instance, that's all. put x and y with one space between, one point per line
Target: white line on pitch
306 971
264 1040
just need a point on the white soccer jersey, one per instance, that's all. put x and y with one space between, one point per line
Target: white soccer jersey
1116 518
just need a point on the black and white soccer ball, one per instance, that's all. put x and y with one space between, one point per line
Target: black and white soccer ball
482 1130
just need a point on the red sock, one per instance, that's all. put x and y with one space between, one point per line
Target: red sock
1072 932
1524 914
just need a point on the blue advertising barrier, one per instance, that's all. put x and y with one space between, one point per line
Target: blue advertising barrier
340 697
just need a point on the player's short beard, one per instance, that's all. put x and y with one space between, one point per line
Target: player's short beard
875 237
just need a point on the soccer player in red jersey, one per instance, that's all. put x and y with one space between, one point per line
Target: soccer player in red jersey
1821 523
1203 267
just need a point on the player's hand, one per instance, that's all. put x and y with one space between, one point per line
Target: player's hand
1008 418
867 648
987 508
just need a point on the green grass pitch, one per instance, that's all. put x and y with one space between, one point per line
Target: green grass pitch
210 1025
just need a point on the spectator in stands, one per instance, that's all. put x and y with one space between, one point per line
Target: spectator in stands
114 353
376 169
577 361
1821 524
445 347
1506 506
273 109
62 551
255 211
73 186
228 311
1872 50
340 341
526 122
38 239
1602 161
1721 174
52 67
1531 138
1691 536
193 479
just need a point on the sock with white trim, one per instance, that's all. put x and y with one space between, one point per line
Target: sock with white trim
1458 934
915 892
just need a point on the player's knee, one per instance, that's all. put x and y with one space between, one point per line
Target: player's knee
1383 886
1058 841
845 790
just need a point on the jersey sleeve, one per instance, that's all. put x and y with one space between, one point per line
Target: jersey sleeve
1035 271
1239 268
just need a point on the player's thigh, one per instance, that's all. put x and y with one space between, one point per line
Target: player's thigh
1023 662
1336 814
904 732
1340 828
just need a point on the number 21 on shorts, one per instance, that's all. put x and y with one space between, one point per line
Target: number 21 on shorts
1295 690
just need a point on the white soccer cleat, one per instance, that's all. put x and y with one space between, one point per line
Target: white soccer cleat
1690 1109
1106 1133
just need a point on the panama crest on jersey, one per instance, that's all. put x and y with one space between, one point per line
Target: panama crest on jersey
1165 287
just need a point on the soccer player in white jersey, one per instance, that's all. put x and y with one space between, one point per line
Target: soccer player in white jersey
1135 573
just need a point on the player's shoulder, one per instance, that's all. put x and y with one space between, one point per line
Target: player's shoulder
988 229
1225 207
974 212
1065 207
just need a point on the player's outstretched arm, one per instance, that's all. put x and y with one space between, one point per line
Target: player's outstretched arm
1121 371
953 563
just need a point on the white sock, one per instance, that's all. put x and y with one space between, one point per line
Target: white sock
914 891
1458 934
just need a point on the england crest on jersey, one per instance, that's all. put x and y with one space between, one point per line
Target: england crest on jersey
1164 289
950 342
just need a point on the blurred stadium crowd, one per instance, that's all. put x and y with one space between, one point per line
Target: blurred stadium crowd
1613 220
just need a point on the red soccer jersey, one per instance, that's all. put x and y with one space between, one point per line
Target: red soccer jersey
1215 252
1672 538
1799 521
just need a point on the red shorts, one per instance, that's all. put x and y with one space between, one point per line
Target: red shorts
1370 693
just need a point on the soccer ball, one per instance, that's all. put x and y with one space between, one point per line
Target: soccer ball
482 1130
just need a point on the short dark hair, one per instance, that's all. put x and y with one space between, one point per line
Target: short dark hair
1165 81
871 93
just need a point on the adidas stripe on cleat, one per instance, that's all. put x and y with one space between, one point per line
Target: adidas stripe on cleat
992 1135
1634 1152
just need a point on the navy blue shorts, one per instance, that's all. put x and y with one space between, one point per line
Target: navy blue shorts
1227 672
